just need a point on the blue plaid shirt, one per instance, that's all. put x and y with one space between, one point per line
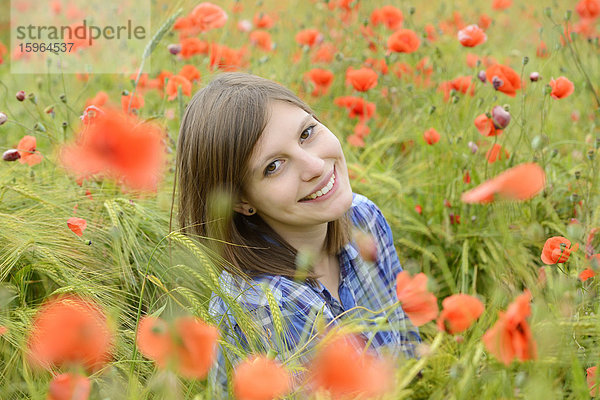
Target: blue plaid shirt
362 284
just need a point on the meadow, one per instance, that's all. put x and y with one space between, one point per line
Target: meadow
479 145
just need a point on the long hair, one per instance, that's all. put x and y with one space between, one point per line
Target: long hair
219 130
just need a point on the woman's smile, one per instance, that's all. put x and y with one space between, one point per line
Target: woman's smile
325 192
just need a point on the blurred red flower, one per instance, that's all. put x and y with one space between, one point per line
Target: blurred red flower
190 73
225 58
356 106
322 79
343 369
471 36
118 146
496 153
207 16
561 87
431 136
324 53
69 387
518 183
586 274
485 126
173 85
189 343
68 330
388 15
136 103
504 79
554 253
511 336
77 225
417 302
462 84
542 50
192 46
263 20
27 152
459 312
501 4
261 39
403 41
260 378
309 37
98 100
591 381
589 9
362 79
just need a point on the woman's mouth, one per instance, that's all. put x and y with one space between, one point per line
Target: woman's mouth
325 192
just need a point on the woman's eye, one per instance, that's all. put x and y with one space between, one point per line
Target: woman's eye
268 170
308 131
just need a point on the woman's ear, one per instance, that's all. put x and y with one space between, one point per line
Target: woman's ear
243 207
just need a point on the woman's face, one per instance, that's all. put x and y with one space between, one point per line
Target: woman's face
296 157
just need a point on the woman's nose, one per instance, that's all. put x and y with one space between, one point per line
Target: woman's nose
312 166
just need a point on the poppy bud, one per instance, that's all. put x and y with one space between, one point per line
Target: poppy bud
568 15
11 155
473 147
32 98
497 82
3 118
174 48
419 209
481 76
500 117
63 98
534 76
577 174
525 60
591 154
20 95
39 127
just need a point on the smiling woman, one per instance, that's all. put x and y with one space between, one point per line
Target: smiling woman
285 182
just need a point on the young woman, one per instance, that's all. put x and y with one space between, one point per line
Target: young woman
292 263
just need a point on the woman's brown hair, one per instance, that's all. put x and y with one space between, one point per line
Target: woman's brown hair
219 130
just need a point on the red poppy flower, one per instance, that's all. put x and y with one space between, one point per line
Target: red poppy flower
484 21
417 302
70 330
263 20
403 41
343 369
586 274
190 73
225 58
378 64
504 79
589 9
356 140
322 80
261 39
260 378
324 53
431 136
118 146
401 69
77 225
518 183
98 100
419 209
485 126
388 15
591 381
471 36
496 153
192 46
3 330
357 107
554 253
542 50
69 387
28 154
510 338
309 37
362 79
561 88
173 85
189 343
431 32
207 16
462 84
127 104
501 4
459 312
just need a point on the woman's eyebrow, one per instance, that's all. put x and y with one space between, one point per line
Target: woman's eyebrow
300 127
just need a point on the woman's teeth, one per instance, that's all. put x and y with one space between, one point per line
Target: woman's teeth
323 191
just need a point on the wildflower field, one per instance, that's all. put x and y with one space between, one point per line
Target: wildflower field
473 126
